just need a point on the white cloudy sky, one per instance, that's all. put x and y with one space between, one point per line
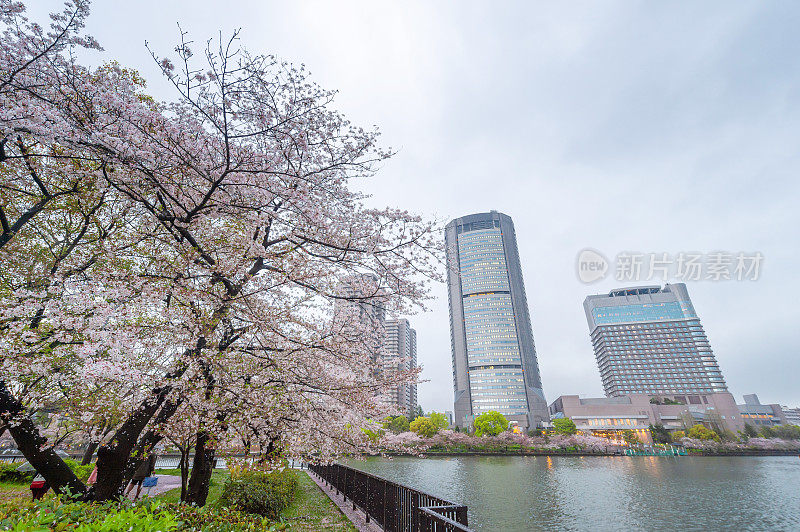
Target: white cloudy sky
621 126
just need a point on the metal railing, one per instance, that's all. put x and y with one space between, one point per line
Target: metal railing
392 506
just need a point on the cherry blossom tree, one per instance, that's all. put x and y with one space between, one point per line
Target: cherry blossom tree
49 198
208 237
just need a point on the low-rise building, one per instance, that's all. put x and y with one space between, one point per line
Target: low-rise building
792 415
754 413
610 417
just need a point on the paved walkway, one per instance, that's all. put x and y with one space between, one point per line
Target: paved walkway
165 483
356 517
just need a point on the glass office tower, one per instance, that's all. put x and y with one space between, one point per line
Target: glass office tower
494 357
649 340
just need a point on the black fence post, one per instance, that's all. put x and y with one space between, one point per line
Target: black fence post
461 515
383 502
366 498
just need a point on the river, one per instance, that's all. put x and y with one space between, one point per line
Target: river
608 493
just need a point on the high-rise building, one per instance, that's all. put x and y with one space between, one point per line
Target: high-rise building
648 340
359 306
392 343
400 354
494 357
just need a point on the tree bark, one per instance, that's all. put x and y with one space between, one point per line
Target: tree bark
151 438
32 445
184 472
202 466
91 447
113 457
114 466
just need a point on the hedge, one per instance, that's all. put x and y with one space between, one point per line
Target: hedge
256 492
55 513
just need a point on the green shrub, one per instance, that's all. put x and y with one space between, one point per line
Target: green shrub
213 519
9 473
490 423
256 492
659 433
439 420
54 513
397 424
787 432
630 437
81 471
564 426
701 432
767 432
424 426
141 519
57 514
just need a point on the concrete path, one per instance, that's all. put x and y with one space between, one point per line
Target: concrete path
165 483
356 517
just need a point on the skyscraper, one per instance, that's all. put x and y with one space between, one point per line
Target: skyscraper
400 354
649 340
359 304
494 357
392 343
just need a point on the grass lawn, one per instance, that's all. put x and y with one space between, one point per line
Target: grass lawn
313 510
218 478
12 490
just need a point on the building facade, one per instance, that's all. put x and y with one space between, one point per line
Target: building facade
392 343
610 417
361 310
792 415
494 357
400 354
648 340
758 415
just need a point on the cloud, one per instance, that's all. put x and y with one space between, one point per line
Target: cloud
617 126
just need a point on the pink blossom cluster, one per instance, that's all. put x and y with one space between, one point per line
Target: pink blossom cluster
450 439
190 254
768 444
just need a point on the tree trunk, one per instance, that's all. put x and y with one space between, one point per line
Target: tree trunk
202 467
32 445
247 448
114 467
151 438
184 472
113 457
91 447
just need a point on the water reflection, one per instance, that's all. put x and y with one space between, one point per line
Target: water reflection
609 493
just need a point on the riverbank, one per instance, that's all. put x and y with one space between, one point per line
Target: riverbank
449 443
689 452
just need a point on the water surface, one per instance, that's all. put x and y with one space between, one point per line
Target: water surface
608 493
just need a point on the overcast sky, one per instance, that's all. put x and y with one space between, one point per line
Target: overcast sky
620 126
